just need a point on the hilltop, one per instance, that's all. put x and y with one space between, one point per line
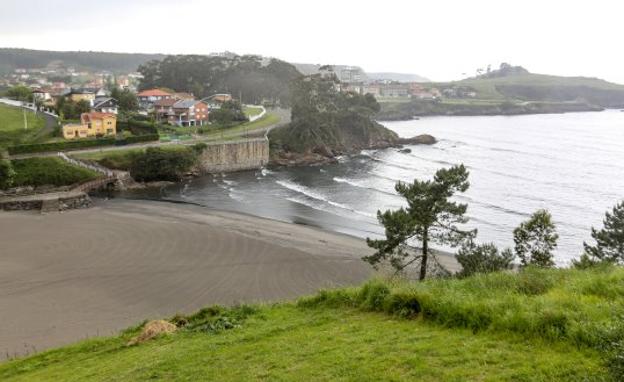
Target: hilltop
511 90
536 325
12 58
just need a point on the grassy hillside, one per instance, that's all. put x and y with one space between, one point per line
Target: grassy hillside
540 87
539 325
49 171
12 130
10 59
512 91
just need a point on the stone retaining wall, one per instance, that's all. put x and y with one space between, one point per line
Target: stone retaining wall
249 154
46 204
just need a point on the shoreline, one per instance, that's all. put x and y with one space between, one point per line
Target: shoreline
92 272
484 111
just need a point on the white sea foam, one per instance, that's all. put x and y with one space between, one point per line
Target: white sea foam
312 194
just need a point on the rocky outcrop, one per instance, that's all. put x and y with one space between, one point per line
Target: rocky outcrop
423 139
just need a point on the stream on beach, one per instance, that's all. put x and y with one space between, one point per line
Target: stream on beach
572 164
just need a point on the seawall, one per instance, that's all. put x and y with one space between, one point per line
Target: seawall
247 154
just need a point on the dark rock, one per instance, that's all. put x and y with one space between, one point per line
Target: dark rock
423 139
405 151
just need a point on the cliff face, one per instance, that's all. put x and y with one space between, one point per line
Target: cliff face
292 145
326 122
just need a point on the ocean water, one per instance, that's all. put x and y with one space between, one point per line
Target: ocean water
571 164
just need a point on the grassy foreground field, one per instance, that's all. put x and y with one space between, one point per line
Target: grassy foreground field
12 126
538 325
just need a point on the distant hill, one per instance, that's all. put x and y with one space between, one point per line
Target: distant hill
517 83
511 90
11 59
343 70
399 77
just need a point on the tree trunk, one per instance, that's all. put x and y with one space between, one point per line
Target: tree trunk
425 253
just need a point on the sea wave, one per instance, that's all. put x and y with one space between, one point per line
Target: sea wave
312 194
359 184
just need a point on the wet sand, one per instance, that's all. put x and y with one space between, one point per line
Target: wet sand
85 273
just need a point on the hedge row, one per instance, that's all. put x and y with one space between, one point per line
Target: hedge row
75 145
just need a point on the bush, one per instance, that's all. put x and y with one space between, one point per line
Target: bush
7 173
483 258
158 164
402 304
214 319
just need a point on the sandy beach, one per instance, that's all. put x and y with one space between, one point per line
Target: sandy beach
86 273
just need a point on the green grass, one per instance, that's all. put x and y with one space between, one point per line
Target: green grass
538 325
121 159
49 171
266 121
285 343
489 88
12 130
251 111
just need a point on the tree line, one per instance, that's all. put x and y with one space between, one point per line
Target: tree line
431 216
252 78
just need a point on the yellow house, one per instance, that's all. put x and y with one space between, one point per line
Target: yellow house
92 125
82 95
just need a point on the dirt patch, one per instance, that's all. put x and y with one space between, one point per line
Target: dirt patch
152 330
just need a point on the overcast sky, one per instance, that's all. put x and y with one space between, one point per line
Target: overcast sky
439 39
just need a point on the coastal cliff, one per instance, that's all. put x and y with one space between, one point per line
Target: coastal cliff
326 123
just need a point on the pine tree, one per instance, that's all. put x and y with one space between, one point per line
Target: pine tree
609 240
430 217
535 240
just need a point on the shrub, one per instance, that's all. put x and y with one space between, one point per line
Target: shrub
158 164
214 318
7 173
483 258
402 304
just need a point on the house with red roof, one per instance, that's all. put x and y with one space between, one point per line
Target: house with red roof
147 98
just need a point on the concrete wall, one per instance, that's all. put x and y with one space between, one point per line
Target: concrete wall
248 154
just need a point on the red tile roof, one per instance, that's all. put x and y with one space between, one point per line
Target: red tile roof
86 117
165 102
153 93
